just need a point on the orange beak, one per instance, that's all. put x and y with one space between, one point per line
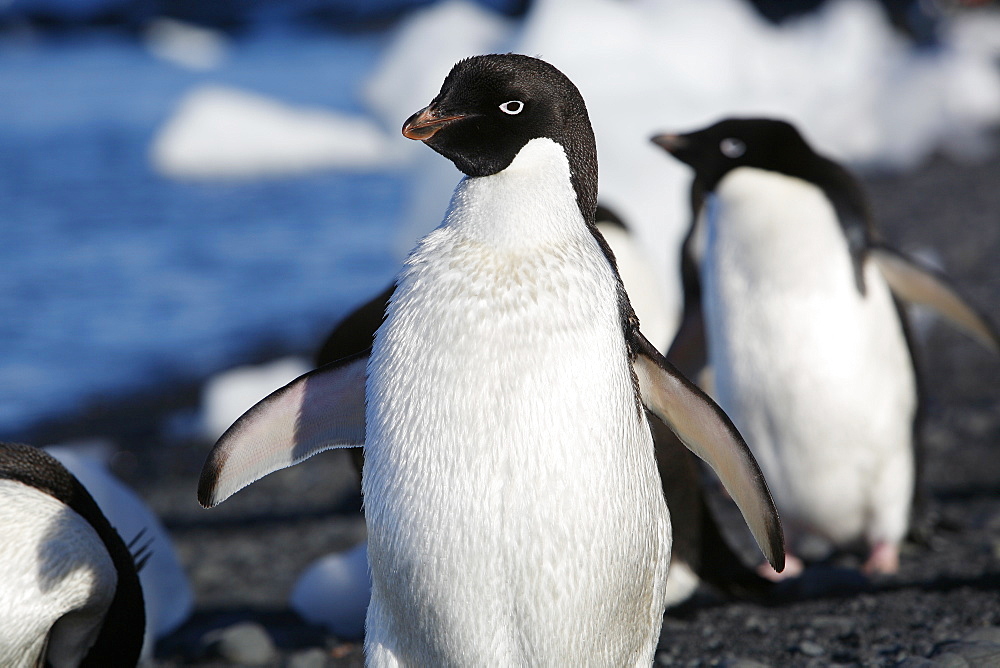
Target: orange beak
423 124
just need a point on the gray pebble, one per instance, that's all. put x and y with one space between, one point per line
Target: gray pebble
246 643
916 662
840 624
742 663
310 658
979 654
809 648
950 660
987 634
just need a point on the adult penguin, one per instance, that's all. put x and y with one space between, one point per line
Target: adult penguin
513 505
808 347
70 593
700 551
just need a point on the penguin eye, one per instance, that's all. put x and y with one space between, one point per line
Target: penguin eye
512 107
732 147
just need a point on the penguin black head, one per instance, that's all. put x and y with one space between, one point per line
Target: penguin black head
490 106
741 142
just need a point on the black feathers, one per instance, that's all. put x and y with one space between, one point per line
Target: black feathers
498 103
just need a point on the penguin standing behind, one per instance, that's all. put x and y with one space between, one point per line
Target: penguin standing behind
513 505
808 346
69 591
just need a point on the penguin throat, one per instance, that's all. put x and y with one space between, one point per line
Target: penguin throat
532 202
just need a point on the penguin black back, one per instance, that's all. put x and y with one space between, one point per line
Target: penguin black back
119 642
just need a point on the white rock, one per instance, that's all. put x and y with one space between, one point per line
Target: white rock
334 592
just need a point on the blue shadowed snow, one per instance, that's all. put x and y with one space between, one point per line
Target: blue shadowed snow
113 278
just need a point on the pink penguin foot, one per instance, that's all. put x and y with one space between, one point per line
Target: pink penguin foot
883 560
793 569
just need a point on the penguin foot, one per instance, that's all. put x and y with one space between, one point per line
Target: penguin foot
883 560
793 569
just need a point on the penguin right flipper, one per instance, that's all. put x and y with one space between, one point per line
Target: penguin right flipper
917 284
708 432
317 411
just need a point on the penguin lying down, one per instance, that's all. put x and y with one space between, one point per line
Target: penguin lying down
515 514
69 591
806 336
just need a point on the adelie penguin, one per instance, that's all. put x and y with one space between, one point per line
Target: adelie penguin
69 590
699 552
514 510
808 346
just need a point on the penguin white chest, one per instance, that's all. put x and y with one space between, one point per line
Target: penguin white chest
510 487
816 375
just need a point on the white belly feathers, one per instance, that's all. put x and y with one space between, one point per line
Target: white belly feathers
507 407
816 376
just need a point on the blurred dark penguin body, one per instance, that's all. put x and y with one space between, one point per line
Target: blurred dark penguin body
514 510
70 592
808 346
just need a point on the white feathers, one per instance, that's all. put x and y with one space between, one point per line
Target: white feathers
54 563
817 377
509 481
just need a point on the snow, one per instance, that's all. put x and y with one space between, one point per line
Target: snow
185 44
224 132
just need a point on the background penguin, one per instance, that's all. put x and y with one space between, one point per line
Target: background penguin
70 592
514 511
809 349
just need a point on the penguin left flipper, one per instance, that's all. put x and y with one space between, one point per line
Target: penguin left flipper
709 433
916 284
318 411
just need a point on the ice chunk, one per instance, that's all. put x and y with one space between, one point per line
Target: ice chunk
226 133
184 44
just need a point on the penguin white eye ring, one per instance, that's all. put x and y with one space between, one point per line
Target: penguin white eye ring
732 147
512 107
